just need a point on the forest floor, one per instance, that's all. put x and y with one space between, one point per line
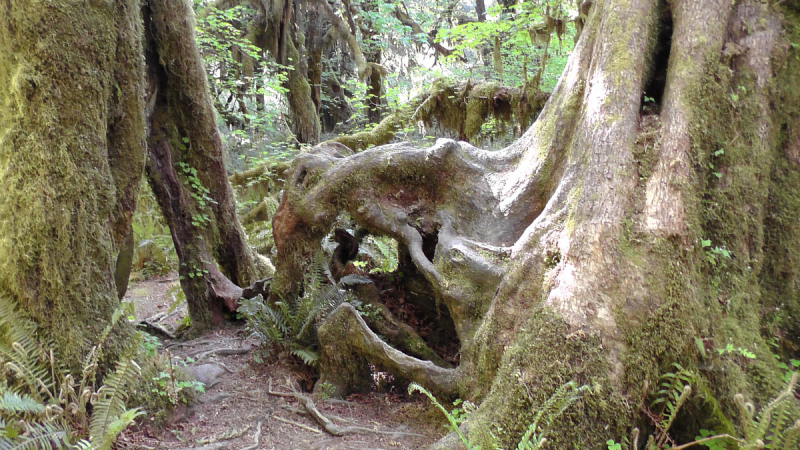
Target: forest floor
236 411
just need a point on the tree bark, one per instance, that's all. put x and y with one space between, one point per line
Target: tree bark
71 158
186 170
581 251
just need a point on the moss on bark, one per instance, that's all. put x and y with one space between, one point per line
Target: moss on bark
186 167
456 108
71 155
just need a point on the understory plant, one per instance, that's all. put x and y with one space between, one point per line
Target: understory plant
776 426
534 437
43 406
290 326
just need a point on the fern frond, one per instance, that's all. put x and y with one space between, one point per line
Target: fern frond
39 436
450 419
110 404
773 418
382 251
15 404
22 353
308 356
558 402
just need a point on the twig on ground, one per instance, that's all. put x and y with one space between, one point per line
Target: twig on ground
256 437
323 421
292 422
303 412
199 341
213 446
221 352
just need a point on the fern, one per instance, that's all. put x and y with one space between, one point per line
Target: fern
777 425
110 405
14 404
21 353
550 410
38 436
414 387
382 251
770 427
531 440
674 390
45 401
290 326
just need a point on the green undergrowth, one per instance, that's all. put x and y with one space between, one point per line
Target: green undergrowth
535 436
43 406
289 326
154 251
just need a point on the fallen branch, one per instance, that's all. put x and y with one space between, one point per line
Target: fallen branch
256 438
154 328
292 422
222 352
326 423
198 342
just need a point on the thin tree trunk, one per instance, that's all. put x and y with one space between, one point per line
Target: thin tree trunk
186 170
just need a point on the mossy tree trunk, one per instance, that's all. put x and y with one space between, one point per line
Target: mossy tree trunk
581 251
72 153
186 170
276 30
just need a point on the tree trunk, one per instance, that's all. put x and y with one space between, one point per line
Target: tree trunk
71 158
581 251
274 30
186 170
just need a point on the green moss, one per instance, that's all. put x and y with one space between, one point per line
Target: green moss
780 276
544 355
71 133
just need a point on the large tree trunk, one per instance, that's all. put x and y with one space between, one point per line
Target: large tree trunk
578 252
186 170
71 158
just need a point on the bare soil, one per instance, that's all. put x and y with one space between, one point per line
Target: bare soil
235 406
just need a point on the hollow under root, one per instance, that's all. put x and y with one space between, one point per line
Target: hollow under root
347 344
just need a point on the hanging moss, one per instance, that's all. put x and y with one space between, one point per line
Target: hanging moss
461 109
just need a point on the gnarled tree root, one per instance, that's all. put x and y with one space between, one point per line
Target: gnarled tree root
326 423
347 343
403 337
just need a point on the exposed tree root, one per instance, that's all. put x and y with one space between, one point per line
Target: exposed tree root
345 332
297 424
326 423
402 336
256 437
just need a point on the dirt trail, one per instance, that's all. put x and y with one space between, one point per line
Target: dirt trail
236 403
